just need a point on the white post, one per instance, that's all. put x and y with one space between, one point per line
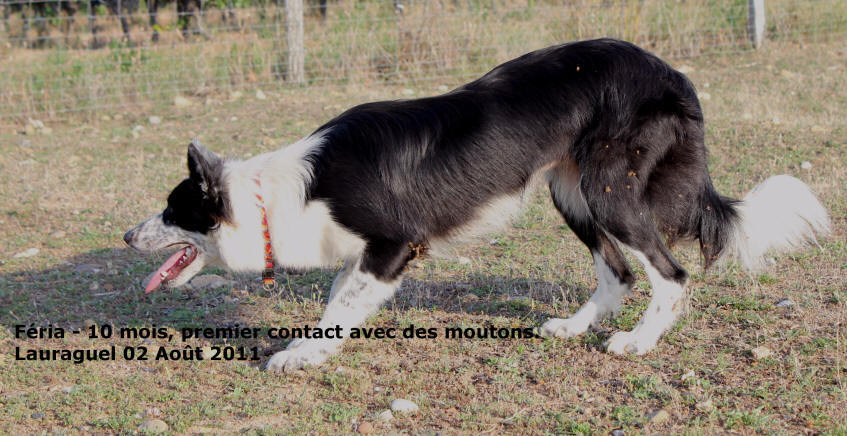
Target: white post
756 22
294 36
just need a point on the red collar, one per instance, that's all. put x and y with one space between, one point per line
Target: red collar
268 281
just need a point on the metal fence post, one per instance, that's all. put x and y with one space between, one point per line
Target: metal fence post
294 36
756 22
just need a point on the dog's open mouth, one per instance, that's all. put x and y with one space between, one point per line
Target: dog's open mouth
172 267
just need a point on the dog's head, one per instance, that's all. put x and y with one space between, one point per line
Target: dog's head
197 208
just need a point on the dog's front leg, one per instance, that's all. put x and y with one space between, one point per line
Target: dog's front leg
355 295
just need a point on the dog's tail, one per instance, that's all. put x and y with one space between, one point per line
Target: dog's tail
780 214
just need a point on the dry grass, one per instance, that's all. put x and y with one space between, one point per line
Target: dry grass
767 112
368 42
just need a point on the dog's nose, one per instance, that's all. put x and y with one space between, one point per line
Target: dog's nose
128 237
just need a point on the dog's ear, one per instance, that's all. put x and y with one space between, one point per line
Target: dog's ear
204 168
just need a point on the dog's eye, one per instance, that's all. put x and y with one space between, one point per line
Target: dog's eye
167 216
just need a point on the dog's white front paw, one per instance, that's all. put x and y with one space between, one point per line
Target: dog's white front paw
563 328
628 343
298 357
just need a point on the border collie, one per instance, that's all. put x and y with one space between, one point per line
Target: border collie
615 133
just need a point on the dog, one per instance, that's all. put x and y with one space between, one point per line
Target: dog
614 131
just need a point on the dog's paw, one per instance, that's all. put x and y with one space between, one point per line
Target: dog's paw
628 343
563 328
300 357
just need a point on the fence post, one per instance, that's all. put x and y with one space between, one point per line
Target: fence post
756 22
294 36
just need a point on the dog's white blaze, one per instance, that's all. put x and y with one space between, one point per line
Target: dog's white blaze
355 296
605 301
666 305
780 214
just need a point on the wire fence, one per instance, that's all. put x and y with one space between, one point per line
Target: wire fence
60 56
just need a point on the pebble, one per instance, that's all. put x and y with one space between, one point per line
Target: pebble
705 96
806 165
59 234
385 416
403 406
618 432
785 302
260 95
93 286
68 389
153 426
659 416
37 415
180 101
688 375
760 353
442 88
408 91
30 252
705 406
137 128
87 268
365 428
685 69
209 281
154 120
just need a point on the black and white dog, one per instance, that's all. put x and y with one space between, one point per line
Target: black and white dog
615 133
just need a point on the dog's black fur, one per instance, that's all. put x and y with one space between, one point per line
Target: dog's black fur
605 105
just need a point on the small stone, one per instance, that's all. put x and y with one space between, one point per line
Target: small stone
685 69
659 416
58 234
705 96
93 286
180 101
806 165
68 389
30 252
137 128
688 375
408 91
209 281
403 406
37 415
705 406
339 369
442 88
365 428
618 432
233 118
377 389
153 426
385 416
784 303
154 120
87 268
760 353
260 95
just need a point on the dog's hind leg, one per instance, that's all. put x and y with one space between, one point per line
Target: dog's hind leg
358 291
614 279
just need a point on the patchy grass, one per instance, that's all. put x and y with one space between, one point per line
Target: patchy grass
768 112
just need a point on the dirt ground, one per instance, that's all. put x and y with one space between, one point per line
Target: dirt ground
72 187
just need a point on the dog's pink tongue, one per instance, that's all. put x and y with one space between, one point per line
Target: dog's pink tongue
157 277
